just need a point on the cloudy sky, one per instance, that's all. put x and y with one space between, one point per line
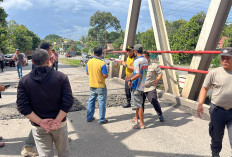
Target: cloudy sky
70 18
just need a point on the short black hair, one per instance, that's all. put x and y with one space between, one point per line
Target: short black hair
53 50
97 51
39 57
45 45
146 53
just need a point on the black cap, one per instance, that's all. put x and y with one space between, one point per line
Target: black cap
226 52
128 48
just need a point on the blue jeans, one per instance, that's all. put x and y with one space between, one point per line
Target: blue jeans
101 93
20 69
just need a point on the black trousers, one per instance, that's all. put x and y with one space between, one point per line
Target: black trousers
152 98
2 65
128 92
219 119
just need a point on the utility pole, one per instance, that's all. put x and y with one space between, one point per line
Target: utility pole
105 43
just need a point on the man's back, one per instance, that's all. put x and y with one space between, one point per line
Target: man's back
94 68
47 91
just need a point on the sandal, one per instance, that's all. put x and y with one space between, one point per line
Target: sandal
136 126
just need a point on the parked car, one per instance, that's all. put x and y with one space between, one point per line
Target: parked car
68 54
85 58
9 60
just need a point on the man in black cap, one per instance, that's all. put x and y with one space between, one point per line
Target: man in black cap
129 64
219 79
18 57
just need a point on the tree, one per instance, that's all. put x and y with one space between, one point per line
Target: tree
99 22
19 36
3 30
186 38
53 38
119 41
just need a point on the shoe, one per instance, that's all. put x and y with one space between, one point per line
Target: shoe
2 144
215 154
127 105
29 151
161 118
104 122
91 120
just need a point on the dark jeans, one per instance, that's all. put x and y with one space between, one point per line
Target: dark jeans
219 118
55 65
2 65
128 92
152 98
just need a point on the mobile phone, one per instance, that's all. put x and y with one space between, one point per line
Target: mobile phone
7 86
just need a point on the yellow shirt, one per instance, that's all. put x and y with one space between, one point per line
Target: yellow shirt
94 68
129 62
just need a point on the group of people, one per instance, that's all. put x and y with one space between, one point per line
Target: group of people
48 105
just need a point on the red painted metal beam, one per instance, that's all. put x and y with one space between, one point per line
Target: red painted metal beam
190 52
184 69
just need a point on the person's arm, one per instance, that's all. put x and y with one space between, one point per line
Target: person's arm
44 123
133 78
87 72
25 109
55 124
157 80
201 100
104 71
67 98
128 66
14 57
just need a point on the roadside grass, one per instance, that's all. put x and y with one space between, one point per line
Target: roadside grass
72 62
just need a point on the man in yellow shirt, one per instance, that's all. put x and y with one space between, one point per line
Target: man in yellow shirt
129 64
97 71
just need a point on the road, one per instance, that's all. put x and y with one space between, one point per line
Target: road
181 135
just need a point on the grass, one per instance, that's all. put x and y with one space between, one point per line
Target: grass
72 62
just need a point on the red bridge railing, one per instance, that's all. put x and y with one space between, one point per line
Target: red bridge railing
177 68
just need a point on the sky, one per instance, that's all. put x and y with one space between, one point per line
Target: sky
70 18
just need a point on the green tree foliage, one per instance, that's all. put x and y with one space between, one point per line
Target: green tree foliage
99 22
20 37
3 29
53 38
186 38
147 39
227 32
118 39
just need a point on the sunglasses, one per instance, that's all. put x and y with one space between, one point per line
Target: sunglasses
225 58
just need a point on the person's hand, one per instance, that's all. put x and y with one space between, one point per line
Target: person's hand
45 124
200 110
123 63
2 88
155 83
129 84
55 124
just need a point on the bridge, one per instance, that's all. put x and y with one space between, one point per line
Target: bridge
182 134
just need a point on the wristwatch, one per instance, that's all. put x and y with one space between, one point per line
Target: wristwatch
125 65
130 80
